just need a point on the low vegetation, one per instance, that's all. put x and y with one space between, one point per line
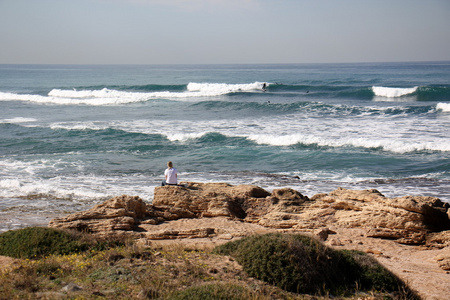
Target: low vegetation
77 266
301 264
38 242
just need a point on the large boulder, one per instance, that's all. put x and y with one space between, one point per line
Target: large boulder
406 219
116 216
211 200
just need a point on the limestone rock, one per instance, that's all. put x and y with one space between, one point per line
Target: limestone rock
433 210
363 196
211 200
175 234
438 239
114 216
323 234
407 220
71 287
444 261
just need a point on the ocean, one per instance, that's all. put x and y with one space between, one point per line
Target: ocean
72 136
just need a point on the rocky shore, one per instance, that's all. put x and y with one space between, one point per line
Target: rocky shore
409 235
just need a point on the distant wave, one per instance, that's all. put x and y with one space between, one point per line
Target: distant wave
443 106
123 94
393 92
18 120
346 91
107 96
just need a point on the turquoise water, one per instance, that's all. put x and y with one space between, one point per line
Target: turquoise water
73 136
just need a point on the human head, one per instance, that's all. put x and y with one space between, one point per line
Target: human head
170 164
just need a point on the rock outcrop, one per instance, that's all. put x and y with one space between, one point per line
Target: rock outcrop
407 220
115 217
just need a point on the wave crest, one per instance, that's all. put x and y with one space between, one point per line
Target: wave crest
393 92
445 107
384 144
212 89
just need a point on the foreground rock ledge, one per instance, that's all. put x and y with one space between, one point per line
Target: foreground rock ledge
410 235
415 220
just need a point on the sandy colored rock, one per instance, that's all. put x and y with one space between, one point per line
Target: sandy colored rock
439 239
211 200
116 216
408 220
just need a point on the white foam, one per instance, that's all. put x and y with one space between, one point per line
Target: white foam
286 140
216 89
77 188
23 179
79 125
445 107
387 144
182 137
9 184
392 92
18 120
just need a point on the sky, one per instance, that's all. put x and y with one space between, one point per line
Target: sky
223 31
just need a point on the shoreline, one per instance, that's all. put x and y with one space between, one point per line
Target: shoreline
24 214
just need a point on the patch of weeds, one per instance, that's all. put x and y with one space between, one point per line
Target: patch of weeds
48 268
153 282
24 279
218 291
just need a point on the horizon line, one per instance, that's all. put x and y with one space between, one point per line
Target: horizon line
224 64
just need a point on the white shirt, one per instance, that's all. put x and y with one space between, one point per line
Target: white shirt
171 175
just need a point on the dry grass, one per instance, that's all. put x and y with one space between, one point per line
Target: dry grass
133 272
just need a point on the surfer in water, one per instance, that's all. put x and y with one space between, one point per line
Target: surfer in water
264 86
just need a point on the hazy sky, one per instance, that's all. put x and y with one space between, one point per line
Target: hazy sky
223 31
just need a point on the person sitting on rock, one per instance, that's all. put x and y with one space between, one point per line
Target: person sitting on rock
170 175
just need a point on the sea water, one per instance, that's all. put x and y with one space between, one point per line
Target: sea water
72 136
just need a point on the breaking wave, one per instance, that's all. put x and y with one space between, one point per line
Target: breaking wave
445 107
393 92
141 132
193 91
367 143
107 96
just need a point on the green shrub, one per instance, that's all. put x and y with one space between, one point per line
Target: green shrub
367 272
301 264
213 292
295 263
37 242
